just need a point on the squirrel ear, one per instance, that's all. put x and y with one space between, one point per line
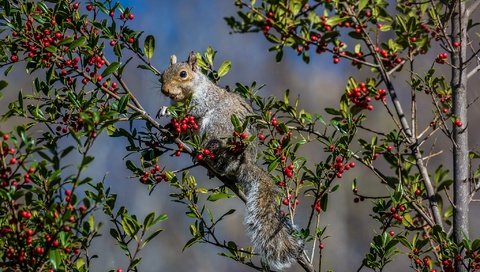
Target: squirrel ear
173 59
192 61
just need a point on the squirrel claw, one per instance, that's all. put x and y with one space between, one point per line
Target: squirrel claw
162 112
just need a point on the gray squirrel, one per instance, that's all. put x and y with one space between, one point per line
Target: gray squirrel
212 106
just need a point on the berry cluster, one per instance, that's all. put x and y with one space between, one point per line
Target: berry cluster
339 167
290 201
238 142
205 153
70 121
360 96
475 257
382 95
154 174
441 58
188 124
396 212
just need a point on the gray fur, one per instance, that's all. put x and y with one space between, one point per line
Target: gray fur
213 106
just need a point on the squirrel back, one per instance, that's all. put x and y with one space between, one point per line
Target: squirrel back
268 229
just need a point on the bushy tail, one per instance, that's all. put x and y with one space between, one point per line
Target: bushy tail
269 230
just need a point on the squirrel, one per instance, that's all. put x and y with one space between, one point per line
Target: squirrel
213 106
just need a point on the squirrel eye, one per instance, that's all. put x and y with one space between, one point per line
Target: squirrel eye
183 74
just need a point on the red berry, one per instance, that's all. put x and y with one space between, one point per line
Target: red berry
89 7
131 16
418 192
336 59
55 243
458 123
456 44
391 233
112 13
131 40
261 137
113 43
274 121
285 202
389 148
199 157
13 161
6 137
76 5
352 165
14 58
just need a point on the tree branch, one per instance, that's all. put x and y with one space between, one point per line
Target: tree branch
472 8
404 122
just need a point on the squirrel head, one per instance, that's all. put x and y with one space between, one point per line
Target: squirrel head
178 80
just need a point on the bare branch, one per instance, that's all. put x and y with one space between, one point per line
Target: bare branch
472 8
474 70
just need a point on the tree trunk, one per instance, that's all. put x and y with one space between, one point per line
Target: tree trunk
460 133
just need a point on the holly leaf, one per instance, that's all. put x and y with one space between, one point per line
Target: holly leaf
149 46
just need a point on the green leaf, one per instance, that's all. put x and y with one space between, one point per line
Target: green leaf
86 160
77 43
3 84
149 46
362 4
114 234
324 202
224 68
151 236
148 221
335 20
55 258
273 165
160 218
191 242
385 27
332 111
130 226
112 68
66 41
122 104
217 196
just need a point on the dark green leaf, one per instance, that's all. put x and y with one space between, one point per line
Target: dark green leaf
112 68
3 84
77 43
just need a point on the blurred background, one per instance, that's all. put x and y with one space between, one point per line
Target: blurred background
189 25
